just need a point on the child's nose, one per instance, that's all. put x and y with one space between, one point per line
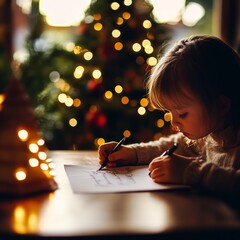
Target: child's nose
175 123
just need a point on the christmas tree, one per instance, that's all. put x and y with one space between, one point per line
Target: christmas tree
93 90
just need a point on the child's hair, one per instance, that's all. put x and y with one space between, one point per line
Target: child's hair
202 65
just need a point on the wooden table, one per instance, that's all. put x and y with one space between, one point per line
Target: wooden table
181 214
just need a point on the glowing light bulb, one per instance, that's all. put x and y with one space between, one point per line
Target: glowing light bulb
125 100
108 95
77 102
115 6
118 89
23 135
96 74
88 56
73 122
141 110
147 24
98 26
42 155
160 123
127 2
126 15
33 162
40 142
118 46
33 147
44 166
167 117
126 133
136 47
152 61
20 174
62 97
116 33
144 102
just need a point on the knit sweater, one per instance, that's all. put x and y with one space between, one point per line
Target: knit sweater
216 164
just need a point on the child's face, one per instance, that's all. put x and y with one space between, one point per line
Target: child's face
190 118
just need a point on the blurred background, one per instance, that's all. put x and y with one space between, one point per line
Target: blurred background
84 63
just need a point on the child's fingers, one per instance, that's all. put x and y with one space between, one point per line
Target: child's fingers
157 162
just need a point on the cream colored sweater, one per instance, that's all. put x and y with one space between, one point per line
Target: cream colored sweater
216 167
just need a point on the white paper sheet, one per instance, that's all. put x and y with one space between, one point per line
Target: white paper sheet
86 179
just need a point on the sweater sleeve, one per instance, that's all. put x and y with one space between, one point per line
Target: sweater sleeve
146 152
215 179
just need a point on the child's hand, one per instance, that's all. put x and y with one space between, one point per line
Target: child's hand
123 156
168 169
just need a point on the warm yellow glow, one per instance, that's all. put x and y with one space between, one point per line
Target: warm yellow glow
42 155
96 73
152 61
77 102
79 70
23 134
118 46
116 33
192 14
40 142
141 110
69 102
56 11
167 117
20 174
136 47
73 122
44 166
149 49
144 102
77 50
97 16
33 147
62 97
147 24
168 11
115 6
52 173
127 2
118 89
125 100
19 223
146 43
62 85
70 46
33 162
126 15
108 95
160 123
120 21
88 56
2 97
51 165
98 26
126 133
99 141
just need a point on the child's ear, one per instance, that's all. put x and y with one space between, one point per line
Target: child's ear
225 104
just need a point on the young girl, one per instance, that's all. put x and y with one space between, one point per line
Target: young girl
198 83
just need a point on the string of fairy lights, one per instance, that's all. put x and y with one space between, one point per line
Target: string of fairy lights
64 88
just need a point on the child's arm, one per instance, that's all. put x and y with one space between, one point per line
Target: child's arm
215 179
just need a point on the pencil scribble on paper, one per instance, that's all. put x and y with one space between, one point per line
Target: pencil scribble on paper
87 179
112 177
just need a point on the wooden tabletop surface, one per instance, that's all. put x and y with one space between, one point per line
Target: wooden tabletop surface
140 215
